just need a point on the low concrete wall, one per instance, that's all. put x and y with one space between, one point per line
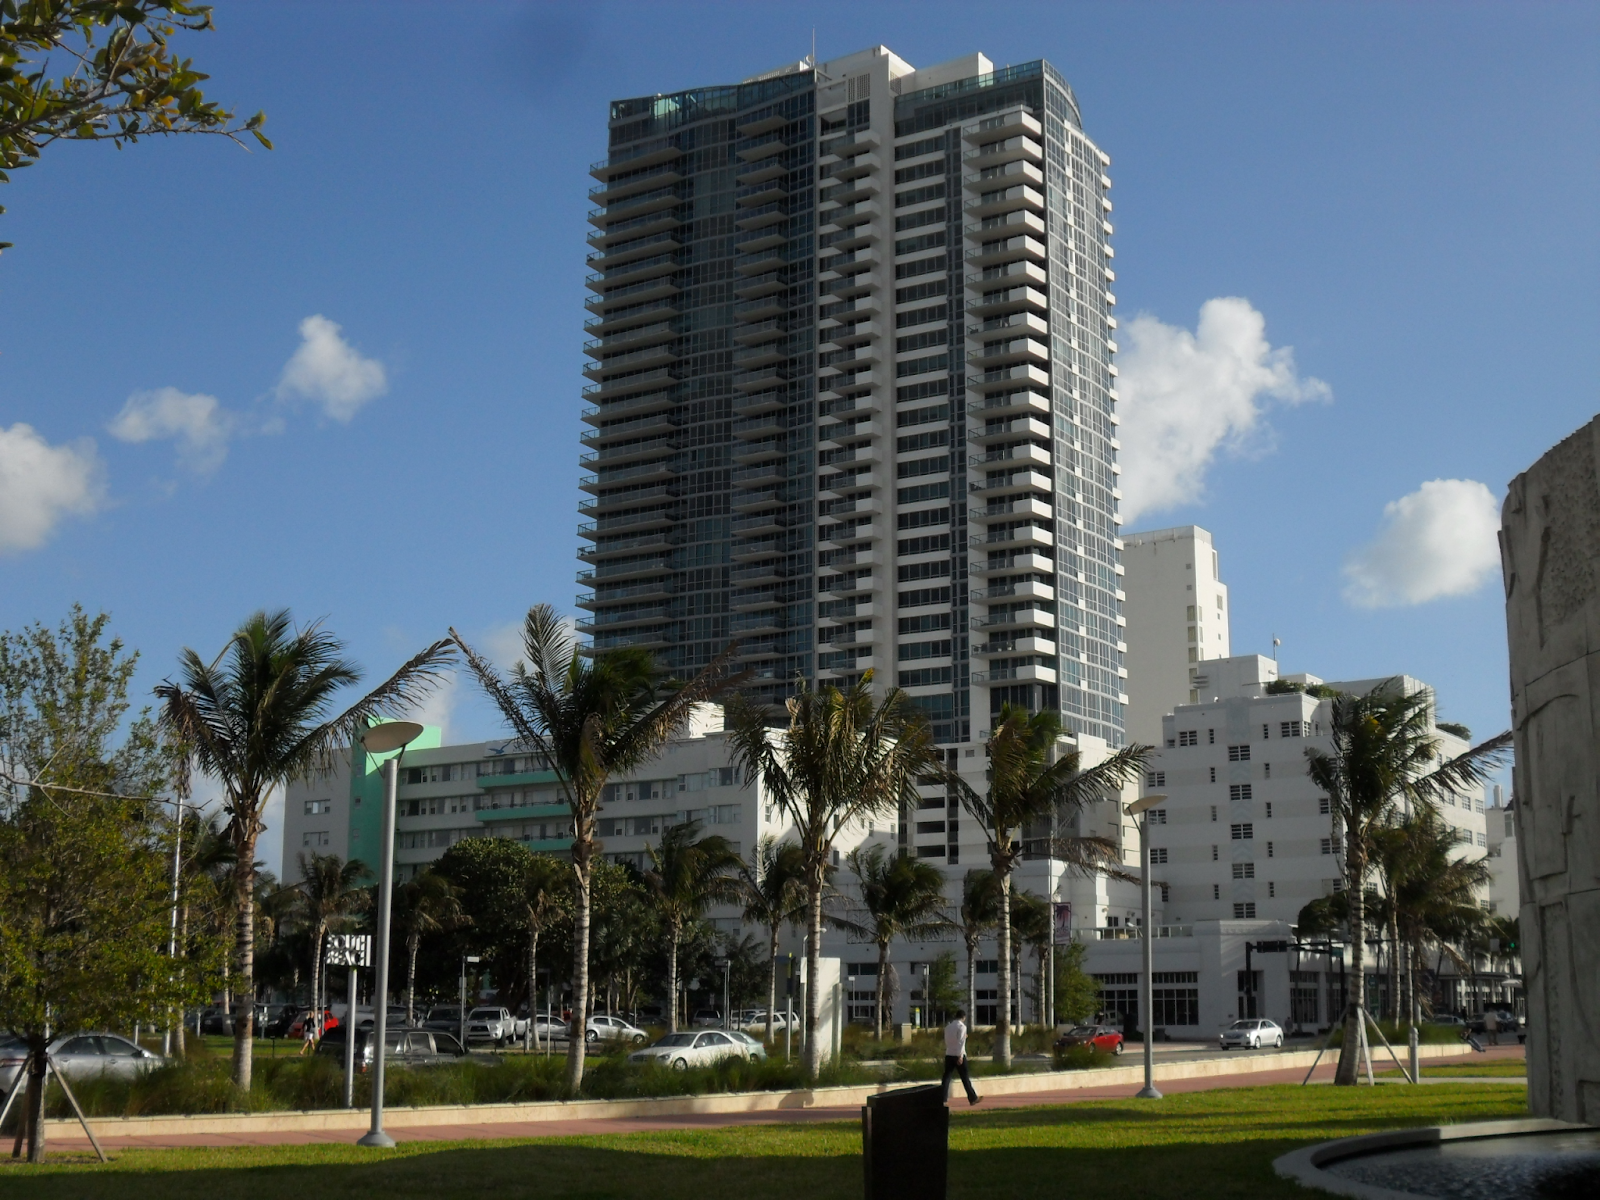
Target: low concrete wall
398 1120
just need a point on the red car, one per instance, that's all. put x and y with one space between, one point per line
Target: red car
1101 1037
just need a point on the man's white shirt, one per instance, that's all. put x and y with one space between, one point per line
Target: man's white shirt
955 1038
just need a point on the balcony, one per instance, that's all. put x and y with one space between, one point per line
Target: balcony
1032 673
635 227
644 473
657 288
1002 300
1005 200
867 209
761 121
659 355
834 314
1015 123
1022 536
644 180
746 624
765 284
990 228
1010 564
849 145
630 251
634 315
1011 508
1019 375
1014 644
1024 454
1015 325
607 571
1016 427
835 386
765 146
653 590
654 519
1004 352
761 474
752 357
1017 248
760 523
630 452
1024 618
612 280
766 191
1018 173
769 330
1019 403
752 499
756 381
1025 274
771 570
762 448
759 240
758 428
637 406
644 335
763 308
851 168
1016 481
636 206
1028 589
746 598
852 238
767 401
848 192
847 287
764 215
642 639
626 385
662 539
1019 148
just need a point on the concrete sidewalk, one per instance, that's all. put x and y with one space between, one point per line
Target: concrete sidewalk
459 1124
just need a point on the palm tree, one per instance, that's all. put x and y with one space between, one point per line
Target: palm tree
901 897
1033 785
980 912
542 882
1382 765
588 718
774 893
256 717
841 758
686 876
330 894
425 903
1030 919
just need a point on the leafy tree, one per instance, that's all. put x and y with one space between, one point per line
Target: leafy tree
1031 922
944 989
686 876
979 913
841 758
774 894
542 892
123 80
85 900
624 932
425 903
900 897
330 896
588 718
255 718
1034 785
1382 762
1076 992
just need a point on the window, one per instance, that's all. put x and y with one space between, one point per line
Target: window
914 650
1269 810
926 623
1324 805
1174 1006
1483 839
1216 888
1244 870
1188 737
923 518
1211 737
1269 849
1243 832
1158 854
1244 912
1330 845
1266 770
1240 791
1239 753
314 807
1213 774
1272 889
1291 728
1155 779
1213 812
933 543
1213 853
316 838
1265 731
1156 816
922 441
1166 892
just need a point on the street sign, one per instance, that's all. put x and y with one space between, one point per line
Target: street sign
1063 924
349 950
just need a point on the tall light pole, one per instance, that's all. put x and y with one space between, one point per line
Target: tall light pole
727 965
380 739
1146 982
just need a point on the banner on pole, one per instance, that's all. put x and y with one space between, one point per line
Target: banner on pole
1063 924
349 950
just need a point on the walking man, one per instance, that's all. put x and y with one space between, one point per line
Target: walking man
1491 1026
955 1056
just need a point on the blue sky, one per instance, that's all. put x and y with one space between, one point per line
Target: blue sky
1406 194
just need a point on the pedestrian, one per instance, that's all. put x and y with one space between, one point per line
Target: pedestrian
955 1056
1491 1026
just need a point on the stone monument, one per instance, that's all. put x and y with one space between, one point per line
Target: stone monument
1550 552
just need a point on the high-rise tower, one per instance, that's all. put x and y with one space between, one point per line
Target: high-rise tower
853 399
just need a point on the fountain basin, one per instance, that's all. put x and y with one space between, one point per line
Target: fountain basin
1489 1160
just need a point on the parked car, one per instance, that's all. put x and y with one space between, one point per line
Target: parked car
278 1023
216 1021
1505 1020
706 1018
489 1024
1449 1019
394 1019
549 1027
82 1056
445 1017
614 1029
754 1020
681 1051
1252 1033
403 1047
753 1049
1101 1037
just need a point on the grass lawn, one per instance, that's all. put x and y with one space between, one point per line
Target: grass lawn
1515 1068
1194 1147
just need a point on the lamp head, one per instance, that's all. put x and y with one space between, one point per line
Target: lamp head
391 735
1145 802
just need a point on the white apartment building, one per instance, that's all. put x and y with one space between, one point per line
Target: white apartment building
1505 891
853 401
1177 615
1245 834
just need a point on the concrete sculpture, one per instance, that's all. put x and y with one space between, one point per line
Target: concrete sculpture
1550 552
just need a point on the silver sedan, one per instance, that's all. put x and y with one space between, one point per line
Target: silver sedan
83 1056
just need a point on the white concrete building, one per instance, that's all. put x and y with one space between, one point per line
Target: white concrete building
1505 893
1177 615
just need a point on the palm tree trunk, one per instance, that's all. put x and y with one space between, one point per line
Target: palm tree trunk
1002 1023
1394 963
244 881
772 978
582 875
672 976
533 988
1356 1001
883 984
813 966
413 944
972 982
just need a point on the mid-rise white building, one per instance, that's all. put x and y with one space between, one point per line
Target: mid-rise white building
1177 615
1505 893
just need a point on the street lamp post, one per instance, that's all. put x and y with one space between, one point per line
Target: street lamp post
727 965
1146 983
380 739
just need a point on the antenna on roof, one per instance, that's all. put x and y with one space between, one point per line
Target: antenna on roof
813 47
1276 642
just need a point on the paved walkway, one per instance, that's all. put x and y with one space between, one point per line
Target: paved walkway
62 1140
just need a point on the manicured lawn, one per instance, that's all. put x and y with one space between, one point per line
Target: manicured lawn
1510 1067
1186 1147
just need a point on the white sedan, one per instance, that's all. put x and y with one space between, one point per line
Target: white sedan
1252 1033
680 1051
614 1029
83 1056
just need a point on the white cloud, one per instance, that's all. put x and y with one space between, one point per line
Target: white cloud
1441 540
41 484
503 645
328 369
1186 396
200 424
438 706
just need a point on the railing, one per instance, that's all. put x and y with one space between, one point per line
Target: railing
668 305
598 192
1129 933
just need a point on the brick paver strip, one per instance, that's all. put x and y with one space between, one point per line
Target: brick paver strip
65 1136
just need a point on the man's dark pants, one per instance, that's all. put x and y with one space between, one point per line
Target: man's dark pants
952 1065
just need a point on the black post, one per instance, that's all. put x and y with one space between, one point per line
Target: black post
1249 982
